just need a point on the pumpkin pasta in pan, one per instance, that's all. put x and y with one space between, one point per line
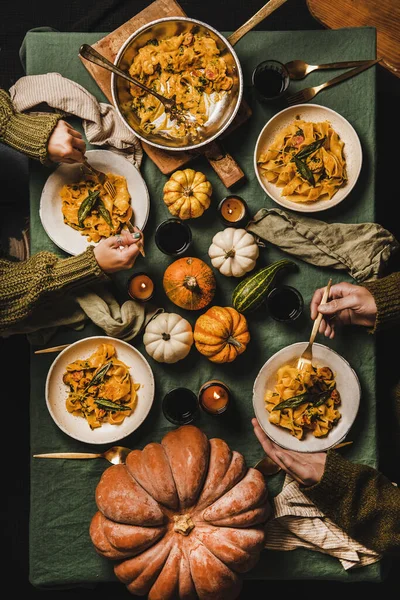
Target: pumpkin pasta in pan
100 388
88 208
307 160
304 400
187 67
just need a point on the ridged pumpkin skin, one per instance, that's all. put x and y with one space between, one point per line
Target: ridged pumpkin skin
183 518
187 194
221 334
189 283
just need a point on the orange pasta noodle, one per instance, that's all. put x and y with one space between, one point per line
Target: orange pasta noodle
101 389
304 400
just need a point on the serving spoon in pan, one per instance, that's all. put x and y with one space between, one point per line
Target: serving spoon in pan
88 52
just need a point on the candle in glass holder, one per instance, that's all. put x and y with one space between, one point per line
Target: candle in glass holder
140 287
214 397
233 211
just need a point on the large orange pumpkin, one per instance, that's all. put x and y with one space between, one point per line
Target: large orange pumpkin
182 518
221 334
189 283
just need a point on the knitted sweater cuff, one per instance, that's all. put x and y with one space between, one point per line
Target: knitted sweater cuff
386 292
334 482
27 133
78 271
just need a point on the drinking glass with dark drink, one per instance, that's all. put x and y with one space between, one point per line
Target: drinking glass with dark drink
180 406
285 303
271 80
173 237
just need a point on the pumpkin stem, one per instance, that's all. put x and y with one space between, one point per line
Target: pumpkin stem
230 253
231 340
188 192
166 337
190 282
183 524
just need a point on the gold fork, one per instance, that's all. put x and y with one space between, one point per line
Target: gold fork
102 178
298 69
306 358
309 93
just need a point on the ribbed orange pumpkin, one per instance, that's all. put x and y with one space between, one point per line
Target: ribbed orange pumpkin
221 334
189 283
187 194
181 519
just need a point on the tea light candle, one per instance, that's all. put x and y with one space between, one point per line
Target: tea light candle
140 287
214 397
233 211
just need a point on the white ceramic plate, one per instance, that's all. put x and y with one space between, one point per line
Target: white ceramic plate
78 427
65 237
315 113
347 384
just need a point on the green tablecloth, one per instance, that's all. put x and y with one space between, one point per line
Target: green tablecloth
62 492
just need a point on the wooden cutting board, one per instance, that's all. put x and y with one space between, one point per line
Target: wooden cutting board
384 15
221 161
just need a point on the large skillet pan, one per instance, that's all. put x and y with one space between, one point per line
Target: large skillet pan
167 27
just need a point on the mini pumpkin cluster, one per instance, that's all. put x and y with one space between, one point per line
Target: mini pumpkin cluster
181 519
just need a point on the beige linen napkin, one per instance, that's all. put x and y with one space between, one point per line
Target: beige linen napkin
298 523
98 304
361 249
101 122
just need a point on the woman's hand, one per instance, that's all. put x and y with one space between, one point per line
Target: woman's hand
118 252
305 468
348 304
66 145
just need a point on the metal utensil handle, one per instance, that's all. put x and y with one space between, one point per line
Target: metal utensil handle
98 59
347 75
53 349
264 12
318 320
68 455
341 65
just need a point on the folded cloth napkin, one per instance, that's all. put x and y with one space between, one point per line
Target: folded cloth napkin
98 304
298 523
363 249
101 122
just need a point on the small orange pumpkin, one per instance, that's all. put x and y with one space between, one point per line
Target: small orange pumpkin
187 194
221 334
189 283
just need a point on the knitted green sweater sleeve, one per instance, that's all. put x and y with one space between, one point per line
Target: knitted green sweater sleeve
27 133
361 501
386 292
24 285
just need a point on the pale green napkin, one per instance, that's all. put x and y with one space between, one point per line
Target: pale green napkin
361 249
96 304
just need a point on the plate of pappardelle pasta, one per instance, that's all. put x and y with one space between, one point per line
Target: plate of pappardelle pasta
76 211
310 410
308 158
99 390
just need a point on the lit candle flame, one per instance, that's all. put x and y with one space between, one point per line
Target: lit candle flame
143 285
216 396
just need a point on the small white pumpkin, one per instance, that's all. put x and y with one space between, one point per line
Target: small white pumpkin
233 252
168 338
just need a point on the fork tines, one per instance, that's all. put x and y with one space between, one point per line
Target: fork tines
297 98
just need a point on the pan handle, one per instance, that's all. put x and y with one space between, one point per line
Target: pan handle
264 12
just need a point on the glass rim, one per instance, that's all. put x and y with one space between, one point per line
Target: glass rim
173 220
192 414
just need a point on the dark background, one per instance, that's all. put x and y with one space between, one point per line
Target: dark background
105 16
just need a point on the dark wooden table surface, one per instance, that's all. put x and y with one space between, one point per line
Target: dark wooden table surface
104 16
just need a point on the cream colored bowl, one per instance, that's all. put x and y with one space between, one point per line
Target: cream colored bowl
347 384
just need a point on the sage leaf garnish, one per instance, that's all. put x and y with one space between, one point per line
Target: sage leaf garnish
109 405
104 212
304 170
87 206
310 148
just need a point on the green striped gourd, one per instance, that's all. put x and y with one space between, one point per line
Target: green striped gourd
250 293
